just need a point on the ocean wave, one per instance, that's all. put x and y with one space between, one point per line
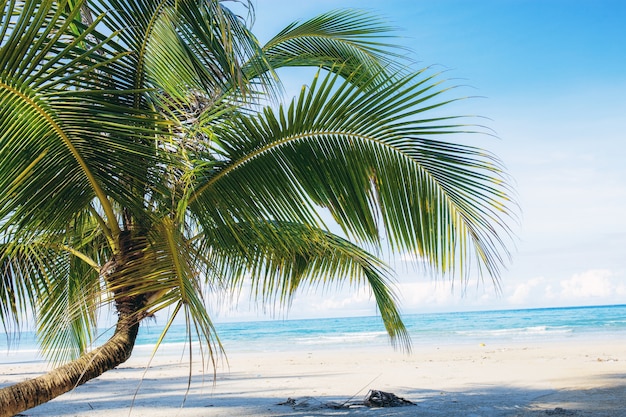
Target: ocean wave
517 331
340 338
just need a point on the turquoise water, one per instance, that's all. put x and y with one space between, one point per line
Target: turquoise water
425 329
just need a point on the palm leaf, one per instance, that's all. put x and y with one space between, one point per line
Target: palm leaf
67 134
182 46
343 41
277 258
360 150
136 168
166 275
23 280
54 276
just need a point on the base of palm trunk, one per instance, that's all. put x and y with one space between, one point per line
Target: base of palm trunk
33 392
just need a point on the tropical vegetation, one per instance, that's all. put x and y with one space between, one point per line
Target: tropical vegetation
148 160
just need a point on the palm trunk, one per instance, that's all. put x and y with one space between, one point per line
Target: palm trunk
31 393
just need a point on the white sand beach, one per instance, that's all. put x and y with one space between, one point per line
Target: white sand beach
568 378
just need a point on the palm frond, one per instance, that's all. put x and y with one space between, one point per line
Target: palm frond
54 277
23 280
360 150
182 47
67 314
344 41
138 169
278 258
68 135
165 274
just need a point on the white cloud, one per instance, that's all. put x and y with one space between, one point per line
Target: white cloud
593 286
597 283
419 294
415 294
527 291
358 299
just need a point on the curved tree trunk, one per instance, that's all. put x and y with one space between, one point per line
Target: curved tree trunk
31 393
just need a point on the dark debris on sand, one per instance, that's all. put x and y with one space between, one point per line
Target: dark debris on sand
376 398
373 399
558 411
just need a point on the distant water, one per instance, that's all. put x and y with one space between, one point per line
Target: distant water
425 329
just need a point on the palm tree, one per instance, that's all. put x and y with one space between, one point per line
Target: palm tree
146 162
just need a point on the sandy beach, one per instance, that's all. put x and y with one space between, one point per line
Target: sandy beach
568 378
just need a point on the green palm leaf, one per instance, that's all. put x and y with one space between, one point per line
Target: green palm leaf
60 271
68 135
182 46
344 41
166 274
23 280
139 170
359 150
277 258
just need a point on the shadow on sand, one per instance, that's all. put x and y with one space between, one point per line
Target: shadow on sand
240 395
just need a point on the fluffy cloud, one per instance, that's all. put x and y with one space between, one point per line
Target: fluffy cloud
528 291
418 294
594 286
597 283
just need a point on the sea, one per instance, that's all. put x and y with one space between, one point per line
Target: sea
429 329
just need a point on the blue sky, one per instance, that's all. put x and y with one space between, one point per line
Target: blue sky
553 77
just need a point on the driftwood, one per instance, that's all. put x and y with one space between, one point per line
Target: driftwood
373 399
560 412
376 398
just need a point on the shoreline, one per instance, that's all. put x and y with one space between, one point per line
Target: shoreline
521 379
